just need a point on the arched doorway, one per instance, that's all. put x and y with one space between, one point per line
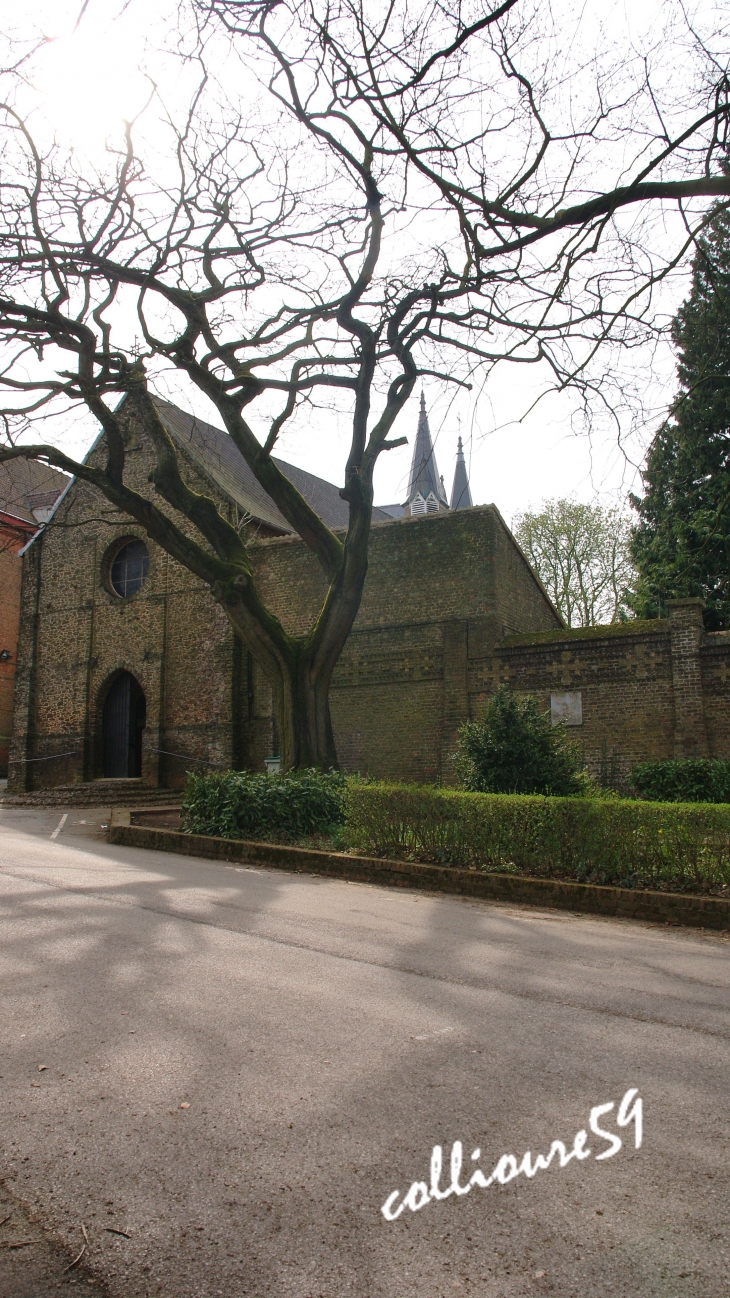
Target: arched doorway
122 723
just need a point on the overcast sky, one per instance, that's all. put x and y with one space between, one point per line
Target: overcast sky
518 452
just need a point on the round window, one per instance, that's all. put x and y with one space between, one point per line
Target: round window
129 568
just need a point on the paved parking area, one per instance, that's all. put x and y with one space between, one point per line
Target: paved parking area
223 1073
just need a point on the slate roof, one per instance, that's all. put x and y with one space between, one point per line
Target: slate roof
218 456
28 485
460 493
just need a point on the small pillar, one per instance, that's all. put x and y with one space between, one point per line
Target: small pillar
455 693
687 632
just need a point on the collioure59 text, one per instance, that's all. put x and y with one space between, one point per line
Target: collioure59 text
421 1193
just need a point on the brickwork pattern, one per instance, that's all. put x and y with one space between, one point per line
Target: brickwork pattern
690 733
715 667
438 586
399 693
12 539
626 687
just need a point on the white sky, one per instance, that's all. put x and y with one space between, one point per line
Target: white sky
86 81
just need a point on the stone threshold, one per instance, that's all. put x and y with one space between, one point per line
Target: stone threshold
95 793
592 899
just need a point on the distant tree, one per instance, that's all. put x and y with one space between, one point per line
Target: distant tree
581 555
681 545
515 748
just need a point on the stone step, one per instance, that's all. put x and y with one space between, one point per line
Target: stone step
96 793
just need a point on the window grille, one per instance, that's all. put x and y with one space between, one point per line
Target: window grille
129 568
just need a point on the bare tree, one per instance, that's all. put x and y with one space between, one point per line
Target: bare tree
581 553
409 212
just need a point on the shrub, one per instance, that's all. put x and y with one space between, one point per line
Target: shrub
696 779
681 847
244 804
514 748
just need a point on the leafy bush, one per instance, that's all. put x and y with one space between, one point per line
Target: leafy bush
681 847
244 804
696 779
514 748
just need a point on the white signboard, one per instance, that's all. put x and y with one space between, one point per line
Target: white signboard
567 708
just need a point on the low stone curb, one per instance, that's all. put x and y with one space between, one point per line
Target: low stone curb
624 903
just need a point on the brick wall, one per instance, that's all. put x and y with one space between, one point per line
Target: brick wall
439 586
623 675
649 690
13 536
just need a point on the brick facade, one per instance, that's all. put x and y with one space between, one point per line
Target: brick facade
450 609
14 533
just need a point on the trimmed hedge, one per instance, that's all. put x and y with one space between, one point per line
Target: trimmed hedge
244 804
682 847
695 779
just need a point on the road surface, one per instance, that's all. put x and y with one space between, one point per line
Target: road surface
224 1073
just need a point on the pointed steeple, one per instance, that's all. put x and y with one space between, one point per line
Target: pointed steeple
460 493
426 493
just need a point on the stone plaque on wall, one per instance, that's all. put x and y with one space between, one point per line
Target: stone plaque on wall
567 708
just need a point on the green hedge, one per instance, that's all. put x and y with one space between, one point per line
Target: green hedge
695 779
682 847
243 804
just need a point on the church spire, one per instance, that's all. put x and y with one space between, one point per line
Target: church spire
460 493
425 488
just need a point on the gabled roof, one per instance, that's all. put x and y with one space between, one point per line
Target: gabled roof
218 456
424 479
28 485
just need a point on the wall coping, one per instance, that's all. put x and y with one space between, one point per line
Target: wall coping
613 630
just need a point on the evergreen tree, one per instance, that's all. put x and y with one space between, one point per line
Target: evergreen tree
681 545
515 748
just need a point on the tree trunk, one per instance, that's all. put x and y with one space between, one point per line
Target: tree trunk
300 673
300 669
301 700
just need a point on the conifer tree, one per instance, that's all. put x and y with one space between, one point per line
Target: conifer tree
681 545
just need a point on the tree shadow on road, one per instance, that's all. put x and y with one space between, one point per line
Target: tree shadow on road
325 1036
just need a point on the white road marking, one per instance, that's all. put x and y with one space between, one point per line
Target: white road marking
60 825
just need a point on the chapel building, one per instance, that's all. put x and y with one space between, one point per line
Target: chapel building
129 672
129 669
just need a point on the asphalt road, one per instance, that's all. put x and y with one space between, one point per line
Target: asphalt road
237 1068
